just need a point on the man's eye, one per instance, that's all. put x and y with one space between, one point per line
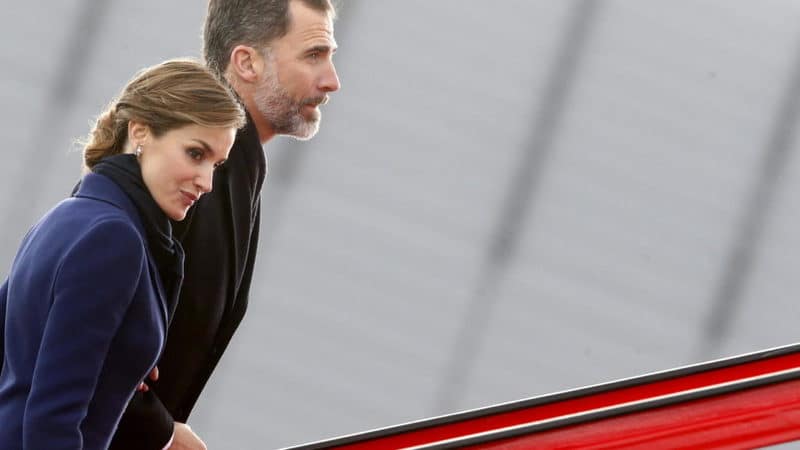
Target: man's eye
314 56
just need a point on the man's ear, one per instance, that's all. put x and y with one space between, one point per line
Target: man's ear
246 64
137 132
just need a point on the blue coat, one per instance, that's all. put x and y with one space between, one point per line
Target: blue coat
85 319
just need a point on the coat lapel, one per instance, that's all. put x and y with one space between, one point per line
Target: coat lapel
101 188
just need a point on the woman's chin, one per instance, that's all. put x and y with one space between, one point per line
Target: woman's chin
177 214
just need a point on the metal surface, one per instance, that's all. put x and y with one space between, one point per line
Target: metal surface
725 376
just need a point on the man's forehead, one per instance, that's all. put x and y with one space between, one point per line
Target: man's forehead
309 23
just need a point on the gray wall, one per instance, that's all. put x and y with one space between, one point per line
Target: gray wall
506 198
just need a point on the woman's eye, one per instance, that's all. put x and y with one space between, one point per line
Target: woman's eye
195 154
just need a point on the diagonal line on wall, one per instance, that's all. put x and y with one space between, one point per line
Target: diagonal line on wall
517 206
38 158
757 206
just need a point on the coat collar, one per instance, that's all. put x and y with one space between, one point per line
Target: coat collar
101 188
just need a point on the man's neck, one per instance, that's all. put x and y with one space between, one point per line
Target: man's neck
264 128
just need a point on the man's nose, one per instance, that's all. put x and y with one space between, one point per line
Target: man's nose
329 82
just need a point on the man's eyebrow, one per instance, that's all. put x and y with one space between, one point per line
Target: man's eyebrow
322 48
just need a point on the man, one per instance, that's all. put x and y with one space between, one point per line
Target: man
277 56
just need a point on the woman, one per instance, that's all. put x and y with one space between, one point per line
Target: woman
87 300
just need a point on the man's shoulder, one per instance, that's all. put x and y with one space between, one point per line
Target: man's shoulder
242 174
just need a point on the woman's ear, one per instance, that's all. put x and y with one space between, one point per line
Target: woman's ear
137 133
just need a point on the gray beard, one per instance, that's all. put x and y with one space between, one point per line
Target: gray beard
283 113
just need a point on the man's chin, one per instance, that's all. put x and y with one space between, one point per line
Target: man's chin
305 131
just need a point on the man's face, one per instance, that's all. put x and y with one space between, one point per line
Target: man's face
298 74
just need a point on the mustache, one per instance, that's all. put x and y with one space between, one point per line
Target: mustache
316 101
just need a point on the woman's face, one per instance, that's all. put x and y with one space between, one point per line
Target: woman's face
178 167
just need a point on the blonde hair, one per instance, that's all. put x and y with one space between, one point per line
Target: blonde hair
164 97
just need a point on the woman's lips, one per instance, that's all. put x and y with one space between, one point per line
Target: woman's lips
188 198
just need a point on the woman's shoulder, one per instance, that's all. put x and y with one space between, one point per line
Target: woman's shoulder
90 210
80 218
78 231
111 237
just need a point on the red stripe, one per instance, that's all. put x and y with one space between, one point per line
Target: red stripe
548 410
748 419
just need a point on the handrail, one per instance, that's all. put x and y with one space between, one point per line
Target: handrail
758 372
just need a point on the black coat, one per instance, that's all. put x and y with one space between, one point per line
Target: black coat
220 238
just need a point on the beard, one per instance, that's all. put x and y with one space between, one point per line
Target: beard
283 113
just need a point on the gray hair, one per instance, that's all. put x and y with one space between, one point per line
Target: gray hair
255 23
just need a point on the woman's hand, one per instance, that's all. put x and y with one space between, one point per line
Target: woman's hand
143 387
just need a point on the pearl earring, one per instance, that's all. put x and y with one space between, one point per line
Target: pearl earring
138 151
